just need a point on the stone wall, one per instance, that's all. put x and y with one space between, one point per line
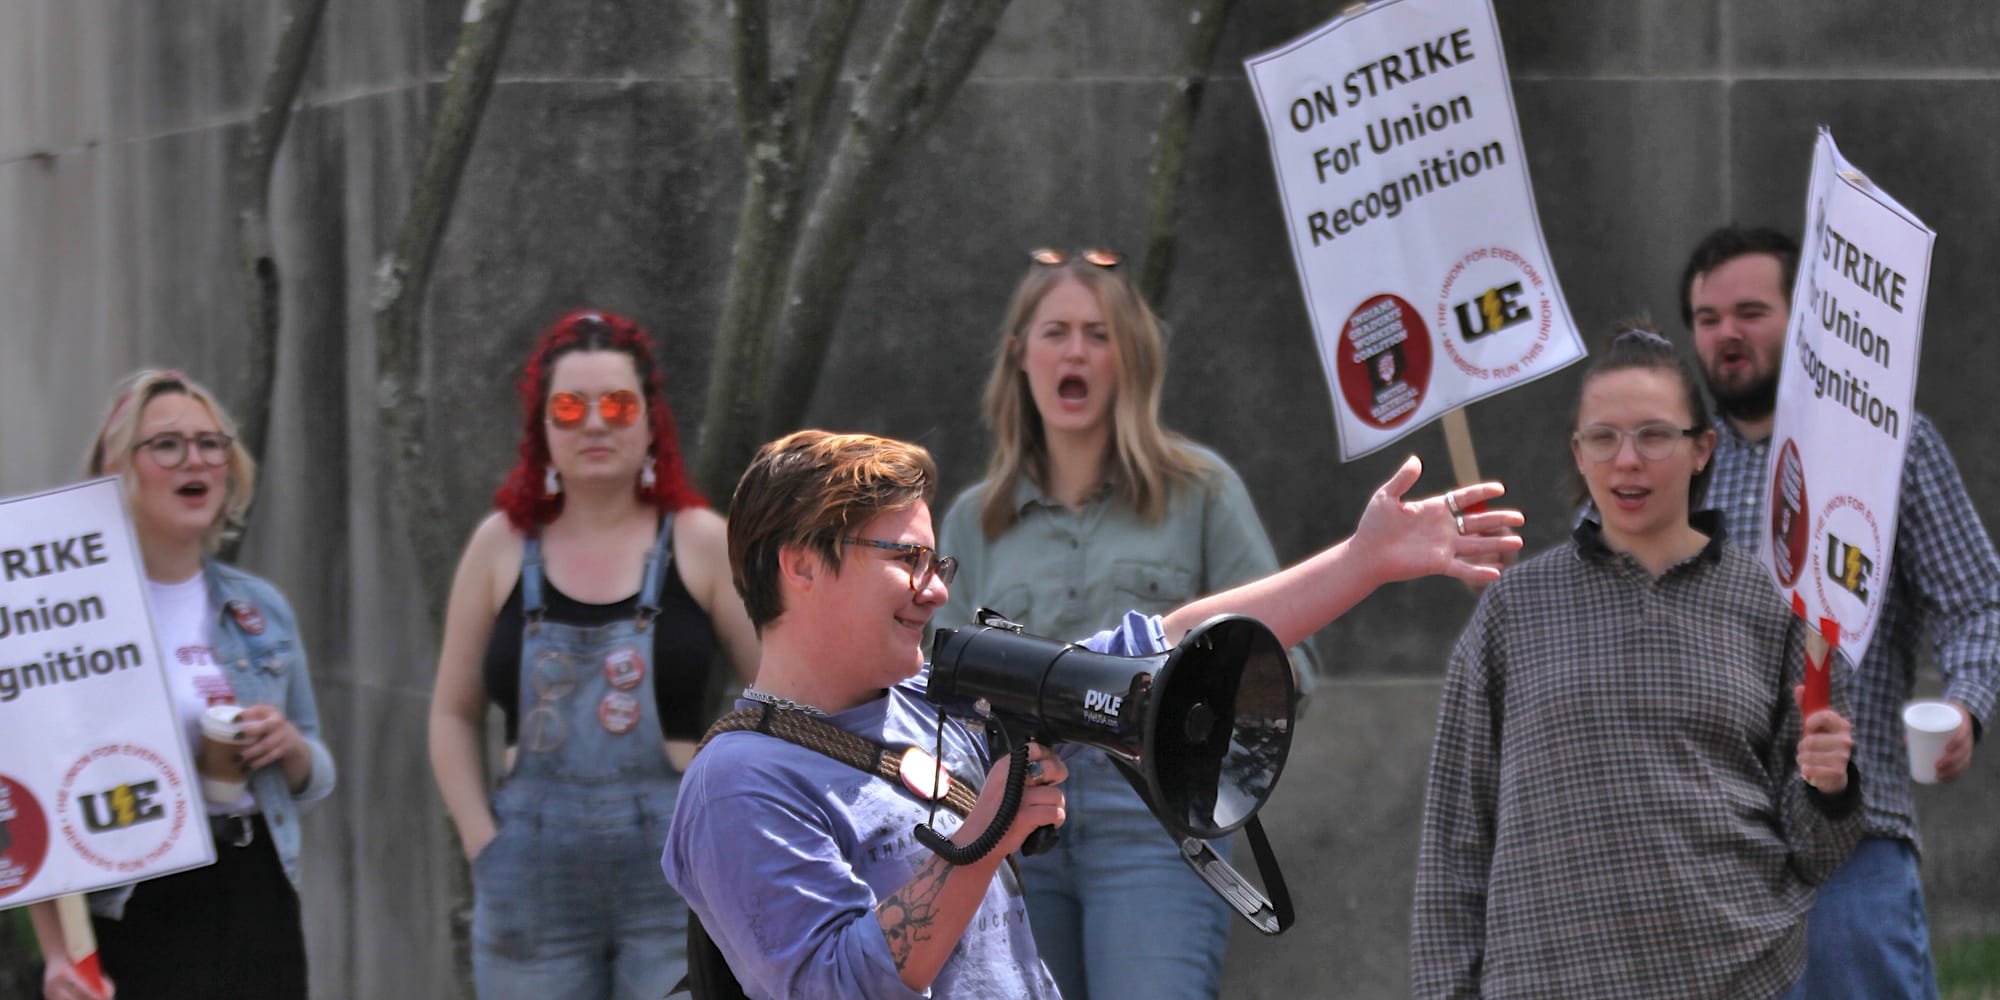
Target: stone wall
607 173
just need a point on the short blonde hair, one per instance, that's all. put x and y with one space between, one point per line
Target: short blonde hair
112 449
811 488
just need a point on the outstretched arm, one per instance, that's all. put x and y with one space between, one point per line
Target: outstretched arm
1396 539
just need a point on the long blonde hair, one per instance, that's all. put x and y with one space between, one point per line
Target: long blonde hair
1147 461
112 448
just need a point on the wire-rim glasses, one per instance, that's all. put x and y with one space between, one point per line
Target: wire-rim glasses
925 564
1653 441
170 449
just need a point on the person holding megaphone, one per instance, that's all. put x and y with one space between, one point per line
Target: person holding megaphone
805 871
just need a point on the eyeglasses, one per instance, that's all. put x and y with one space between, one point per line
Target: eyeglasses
542 728
924 561
1051 257
1655 441
619 408
170 449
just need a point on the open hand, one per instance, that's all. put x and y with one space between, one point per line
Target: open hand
1406 539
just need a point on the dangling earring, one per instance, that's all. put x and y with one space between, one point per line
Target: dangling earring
648 479
551 486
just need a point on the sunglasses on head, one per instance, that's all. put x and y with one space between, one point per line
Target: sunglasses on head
619 408
1051 257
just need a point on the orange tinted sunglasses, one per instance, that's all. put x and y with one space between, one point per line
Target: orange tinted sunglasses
619 408
1052 257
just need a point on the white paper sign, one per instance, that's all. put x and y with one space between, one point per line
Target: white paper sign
96 786
1412 221
1845 398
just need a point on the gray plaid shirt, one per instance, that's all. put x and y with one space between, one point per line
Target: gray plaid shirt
1613 807
1944 579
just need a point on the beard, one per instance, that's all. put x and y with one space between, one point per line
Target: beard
1752 400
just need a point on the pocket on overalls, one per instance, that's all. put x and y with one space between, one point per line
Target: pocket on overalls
504 890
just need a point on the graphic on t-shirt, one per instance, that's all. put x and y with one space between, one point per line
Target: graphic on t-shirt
1385 361
24 836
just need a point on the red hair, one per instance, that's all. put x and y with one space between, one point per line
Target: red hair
521 497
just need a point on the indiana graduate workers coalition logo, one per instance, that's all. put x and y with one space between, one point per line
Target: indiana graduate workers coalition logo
1384 364
1789 520
24 836
1496 312
118 807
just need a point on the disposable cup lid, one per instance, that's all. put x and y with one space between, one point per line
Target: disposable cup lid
220 722
1931 716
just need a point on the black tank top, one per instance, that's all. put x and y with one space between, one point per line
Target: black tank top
683 649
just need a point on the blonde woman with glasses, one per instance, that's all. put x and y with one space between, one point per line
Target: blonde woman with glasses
231 929
1090 508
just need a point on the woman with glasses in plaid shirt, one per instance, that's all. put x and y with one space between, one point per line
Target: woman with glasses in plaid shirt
1090 508
1623 799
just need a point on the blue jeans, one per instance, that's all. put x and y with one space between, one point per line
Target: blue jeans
1116 912
1865 937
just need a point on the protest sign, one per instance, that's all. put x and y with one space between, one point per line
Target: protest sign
96 788
1845 393
1412 221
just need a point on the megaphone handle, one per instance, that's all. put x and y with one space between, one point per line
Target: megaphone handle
1010 806
1042 841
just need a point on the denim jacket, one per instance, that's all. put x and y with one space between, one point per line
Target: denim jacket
264 667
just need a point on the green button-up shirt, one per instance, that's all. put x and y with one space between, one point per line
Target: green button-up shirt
1068 574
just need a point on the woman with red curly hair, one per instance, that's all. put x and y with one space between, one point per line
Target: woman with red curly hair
587 607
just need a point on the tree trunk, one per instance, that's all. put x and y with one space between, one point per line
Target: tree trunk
251 187
403 400
903 98
1206 19
793 259
403 278
777 122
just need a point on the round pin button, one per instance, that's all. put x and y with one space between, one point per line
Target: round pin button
923 775
618 712
625 668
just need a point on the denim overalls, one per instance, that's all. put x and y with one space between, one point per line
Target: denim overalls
569 899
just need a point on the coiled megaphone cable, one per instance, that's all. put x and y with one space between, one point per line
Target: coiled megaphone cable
1010 805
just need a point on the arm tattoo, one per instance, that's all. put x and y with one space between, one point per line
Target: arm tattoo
908 915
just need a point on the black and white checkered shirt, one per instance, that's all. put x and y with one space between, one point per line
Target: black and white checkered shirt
1614 808
1944 580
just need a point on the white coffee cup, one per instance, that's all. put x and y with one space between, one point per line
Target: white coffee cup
223 777
1928 725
